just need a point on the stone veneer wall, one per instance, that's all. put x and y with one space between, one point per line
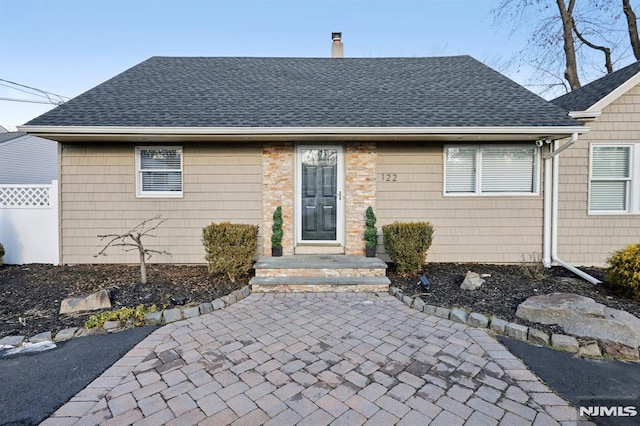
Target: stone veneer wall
360 192
278 160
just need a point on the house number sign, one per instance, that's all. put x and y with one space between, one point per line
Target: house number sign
389 177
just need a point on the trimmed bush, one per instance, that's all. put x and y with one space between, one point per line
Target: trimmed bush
276 228
407 244
371 232
1 254
624 269
230 248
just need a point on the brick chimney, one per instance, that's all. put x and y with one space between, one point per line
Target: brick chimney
337 48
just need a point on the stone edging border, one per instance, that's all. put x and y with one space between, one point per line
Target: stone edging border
587 348
562 342
165 316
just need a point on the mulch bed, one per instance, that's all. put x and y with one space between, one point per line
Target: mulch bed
30 295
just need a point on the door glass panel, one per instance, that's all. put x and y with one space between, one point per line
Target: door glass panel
319 183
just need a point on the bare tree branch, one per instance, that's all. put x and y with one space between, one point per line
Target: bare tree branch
632 25
133 239
607 52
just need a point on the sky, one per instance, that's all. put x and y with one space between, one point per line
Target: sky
67 47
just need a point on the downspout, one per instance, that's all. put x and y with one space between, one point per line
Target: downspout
552 164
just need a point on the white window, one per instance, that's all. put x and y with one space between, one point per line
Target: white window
158 171
612 186
490 170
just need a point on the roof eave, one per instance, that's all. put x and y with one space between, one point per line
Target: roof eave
615 94
123 133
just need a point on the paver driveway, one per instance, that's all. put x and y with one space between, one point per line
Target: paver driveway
343 359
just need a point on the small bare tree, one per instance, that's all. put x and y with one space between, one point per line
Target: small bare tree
132 240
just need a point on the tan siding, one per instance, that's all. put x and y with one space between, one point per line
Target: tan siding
467 229
585 239
221 183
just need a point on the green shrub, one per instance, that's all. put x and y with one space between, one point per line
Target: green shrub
1 254
624 269
230 248
407 244
276 236
122 314
371 232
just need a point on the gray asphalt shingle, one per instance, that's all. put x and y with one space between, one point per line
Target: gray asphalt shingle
307 92
586 96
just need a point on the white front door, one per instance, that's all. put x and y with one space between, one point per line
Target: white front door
319 195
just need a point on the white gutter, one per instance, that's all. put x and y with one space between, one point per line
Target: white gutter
111 130
551 197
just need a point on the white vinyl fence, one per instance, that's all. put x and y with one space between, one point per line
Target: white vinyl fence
29 223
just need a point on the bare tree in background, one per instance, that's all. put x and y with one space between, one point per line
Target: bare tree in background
567 37
132 241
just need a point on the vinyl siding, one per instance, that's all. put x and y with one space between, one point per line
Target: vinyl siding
467 229
585 239
221 183
28 160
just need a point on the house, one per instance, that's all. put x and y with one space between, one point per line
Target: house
599 179
27 159
210 139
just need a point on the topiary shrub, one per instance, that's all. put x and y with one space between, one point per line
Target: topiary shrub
407 244
276 228
1 254
624 269
371 232
230 248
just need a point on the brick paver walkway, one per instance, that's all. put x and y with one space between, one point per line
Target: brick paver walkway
317 359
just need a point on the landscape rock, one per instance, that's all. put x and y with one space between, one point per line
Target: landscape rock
407 300
153 318
472 281
191 312
229 299
538 337
517 331
239 295
582 317
621 351
11 340
498 325
217 304
42 337
90 331
246 291
393 290
31 347
112 325
443 312
590 349
92 302
172 315
429 309
65 334
458 315
418 304
206 308
477 320
565 343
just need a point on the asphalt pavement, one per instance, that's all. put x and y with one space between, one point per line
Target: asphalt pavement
34 385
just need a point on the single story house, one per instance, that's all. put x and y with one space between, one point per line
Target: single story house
209 139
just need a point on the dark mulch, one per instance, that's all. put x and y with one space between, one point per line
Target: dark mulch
505 288
30 295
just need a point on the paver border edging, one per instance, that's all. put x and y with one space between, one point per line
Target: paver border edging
590 348
166 316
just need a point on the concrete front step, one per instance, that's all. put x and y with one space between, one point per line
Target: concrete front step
319 273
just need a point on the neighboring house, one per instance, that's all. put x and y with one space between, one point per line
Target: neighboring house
200 140
599 188
27 159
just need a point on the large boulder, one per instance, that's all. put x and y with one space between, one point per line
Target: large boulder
92 302
582 317
472 281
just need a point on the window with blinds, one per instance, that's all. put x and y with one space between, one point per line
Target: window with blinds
491 170
159 171
609 189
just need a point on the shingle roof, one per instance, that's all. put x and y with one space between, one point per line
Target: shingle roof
307 92
5 137
584 97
